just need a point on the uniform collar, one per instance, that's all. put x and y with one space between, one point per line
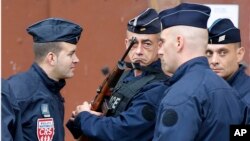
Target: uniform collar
236 74
188 66
156 66
54 86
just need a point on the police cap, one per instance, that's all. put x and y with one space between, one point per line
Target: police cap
147 22
186 14
55 30
223 31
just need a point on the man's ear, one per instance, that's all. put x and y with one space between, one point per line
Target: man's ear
179 43
51 58
126 43
240 54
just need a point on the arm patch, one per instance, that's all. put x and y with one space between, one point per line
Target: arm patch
148 113
170 117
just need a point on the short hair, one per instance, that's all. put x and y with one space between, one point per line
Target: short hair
238 44
197 36
42 49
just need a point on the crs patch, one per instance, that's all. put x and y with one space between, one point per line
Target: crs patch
45 129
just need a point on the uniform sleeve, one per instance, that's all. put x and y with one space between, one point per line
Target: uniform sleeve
8 119
136 123
177 123
10 124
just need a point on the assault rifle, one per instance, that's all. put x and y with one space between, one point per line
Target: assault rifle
108 84
111 80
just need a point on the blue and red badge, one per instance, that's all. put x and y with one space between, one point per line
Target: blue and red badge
45 129
45 125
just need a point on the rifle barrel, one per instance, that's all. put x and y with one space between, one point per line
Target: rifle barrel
133 41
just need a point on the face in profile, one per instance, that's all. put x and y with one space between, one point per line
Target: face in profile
167 52
66 61
145 49
224 59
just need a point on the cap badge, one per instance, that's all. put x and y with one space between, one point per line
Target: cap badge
142 29
222 38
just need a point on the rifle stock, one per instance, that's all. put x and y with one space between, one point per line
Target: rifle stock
108 84
106 88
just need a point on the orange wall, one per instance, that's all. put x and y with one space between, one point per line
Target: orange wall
101 44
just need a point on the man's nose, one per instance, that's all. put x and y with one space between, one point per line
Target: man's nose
76 59
160 50
139 49
214 60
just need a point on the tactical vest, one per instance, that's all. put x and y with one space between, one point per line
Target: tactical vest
124 92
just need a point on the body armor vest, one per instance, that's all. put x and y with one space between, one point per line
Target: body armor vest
124 92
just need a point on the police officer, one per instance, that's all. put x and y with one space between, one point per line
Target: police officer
11 129
136 97
198 104
225 54
38 89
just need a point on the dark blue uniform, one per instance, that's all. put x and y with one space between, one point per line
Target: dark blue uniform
11 118
241 82
135 123
198 106
42 106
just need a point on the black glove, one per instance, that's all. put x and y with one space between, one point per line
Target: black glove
76 132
